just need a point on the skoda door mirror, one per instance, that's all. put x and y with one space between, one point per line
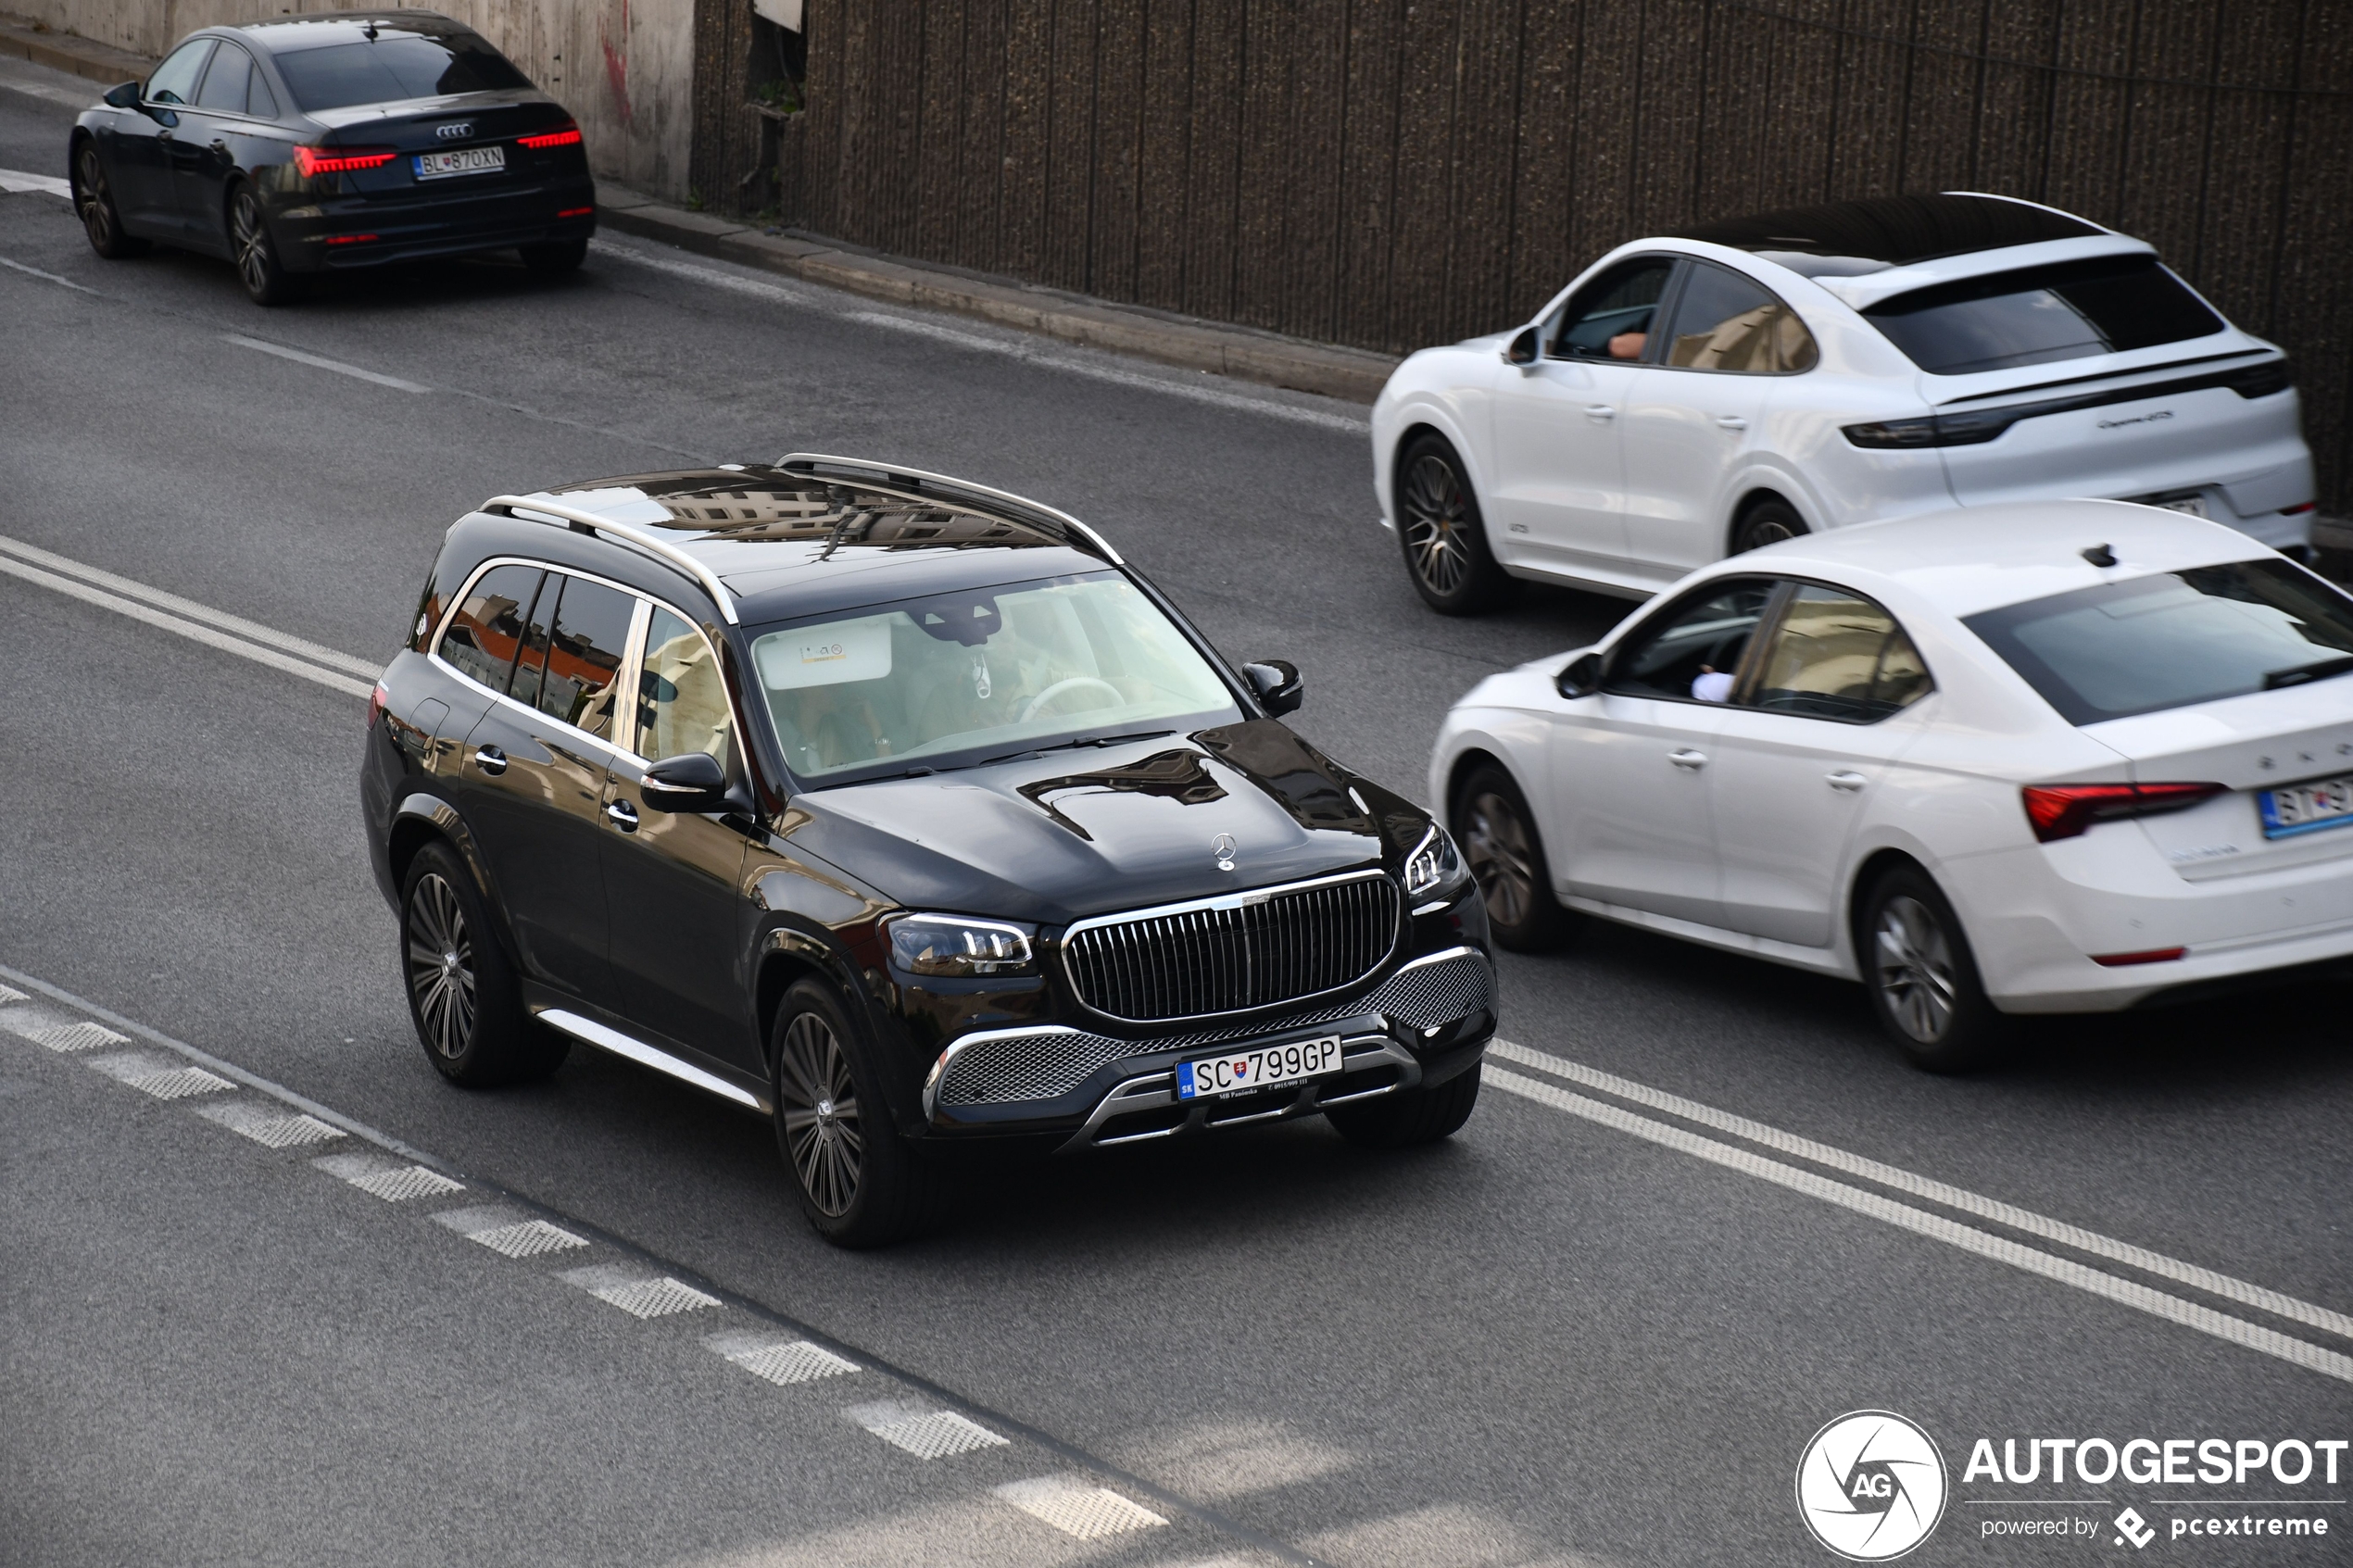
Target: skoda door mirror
1522 349
1582 678
1278 684
123 97
693 782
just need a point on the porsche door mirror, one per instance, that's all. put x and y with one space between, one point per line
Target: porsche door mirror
1278 684
1521 350
1582 678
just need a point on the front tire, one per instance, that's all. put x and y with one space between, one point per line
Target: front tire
94 199
463 994
1922 978
555 256
1497 832
1408 1117
860 1184
1440 528
266 281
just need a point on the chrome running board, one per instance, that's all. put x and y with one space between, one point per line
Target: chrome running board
589 1032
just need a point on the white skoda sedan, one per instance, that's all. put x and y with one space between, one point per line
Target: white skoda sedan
1692 396
2055 757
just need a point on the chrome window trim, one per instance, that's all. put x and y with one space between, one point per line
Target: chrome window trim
1217 901
636 625
958 1045
515 506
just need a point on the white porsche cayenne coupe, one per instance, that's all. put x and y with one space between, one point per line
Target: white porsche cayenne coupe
1692 396
2039 757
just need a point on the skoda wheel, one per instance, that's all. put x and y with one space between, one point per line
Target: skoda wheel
462 992
1439 525
1507 859
94 199
266 281
860 1182
1767 522
1924 981
1406 1117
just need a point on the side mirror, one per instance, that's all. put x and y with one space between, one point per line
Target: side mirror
1278 684
1522 349
1582 678
693 782
123 97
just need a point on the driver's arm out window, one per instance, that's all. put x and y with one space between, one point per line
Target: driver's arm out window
1693 651
1611 318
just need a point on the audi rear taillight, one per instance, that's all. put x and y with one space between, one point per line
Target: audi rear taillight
567 137
2068 810
313 161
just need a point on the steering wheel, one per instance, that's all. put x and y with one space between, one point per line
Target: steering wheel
1072 683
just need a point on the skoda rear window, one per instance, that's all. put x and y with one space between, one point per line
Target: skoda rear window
396 65
2068 311
2174 638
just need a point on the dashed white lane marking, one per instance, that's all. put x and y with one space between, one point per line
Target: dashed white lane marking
10 994
779 1358
321 362
921 1431
1077 1507
395 1180
1951 1196
270 1127
44 277
2156 1303
508 1233
152 1074
16 180
64 1039
640 1292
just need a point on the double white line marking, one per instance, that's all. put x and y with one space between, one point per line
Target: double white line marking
230 634
1921 1222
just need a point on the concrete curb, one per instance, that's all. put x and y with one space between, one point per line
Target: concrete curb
60 51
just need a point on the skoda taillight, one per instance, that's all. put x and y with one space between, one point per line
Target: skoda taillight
2067 810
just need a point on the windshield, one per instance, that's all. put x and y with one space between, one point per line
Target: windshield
394 66
2067 311
2174 638
962 677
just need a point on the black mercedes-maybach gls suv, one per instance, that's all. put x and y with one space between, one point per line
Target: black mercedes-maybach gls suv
903 812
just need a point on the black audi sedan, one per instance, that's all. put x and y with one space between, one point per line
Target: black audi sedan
305 144
905 812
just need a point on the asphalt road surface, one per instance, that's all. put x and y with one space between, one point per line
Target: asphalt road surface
1699 1212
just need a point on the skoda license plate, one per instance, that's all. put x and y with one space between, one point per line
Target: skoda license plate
465 160
2305 807
1257 1067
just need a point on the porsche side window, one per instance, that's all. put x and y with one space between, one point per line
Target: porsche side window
1724 321
1836 654
1611 317
1693 653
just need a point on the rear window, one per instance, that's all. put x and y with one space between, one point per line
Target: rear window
2068 311
394 67
2174 638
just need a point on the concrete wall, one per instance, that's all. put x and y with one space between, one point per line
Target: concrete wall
626 71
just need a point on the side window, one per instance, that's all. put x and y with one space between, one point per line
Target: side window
1836 654
1610 318
175 79
260 103
590 633
530 659
682 698
487 629
1724 321
225 85
1693 651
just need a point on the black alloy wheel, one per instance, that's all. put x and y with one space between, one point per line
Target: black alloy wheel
860 1185
1767 522
1507 859
94 198
463 997
1922 979
266 281
1404 1118
1444 540
555 256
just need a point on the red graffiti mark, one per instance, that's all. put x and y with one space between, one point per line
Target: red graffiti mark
617 63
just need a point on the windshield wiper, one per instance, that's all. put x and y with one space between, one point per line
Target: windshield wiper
2296 674
1068 745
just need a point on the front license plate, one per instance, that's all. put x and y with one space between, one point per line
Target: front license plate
465 160
2306 808
1257 1067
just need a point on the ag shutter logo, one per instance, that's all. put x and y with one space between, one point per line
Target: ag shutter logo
1871 1485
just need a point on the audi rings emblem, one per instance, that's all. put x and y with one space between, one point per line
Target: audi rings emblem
457 132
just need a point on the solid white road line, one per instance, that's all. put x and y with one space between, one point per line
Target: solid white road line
186 628
270 636
44 277
1951 1196
2156 1303
299 357
48 184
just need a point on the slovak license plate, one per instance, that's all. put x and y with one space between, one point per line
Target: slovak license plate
2190 505
1256 1068
2305 807
465 160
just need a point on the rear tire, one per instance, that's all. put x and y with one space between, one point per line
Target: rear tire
555 256
267 281
1441 533
1497 832
1922 978
94 199
1767 522
1408 1117
860 1184
463 995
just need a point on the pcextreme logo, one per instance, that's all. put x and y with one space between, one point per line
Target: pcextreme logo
1871 1485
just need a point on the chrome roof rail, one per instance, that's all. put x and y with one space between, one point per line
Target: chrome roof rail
669 553
950 489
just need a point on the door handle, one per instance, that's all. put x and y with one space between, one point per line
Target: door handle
1848 782
491 761
1731 421
624 816
1600 411
1688 759
218 146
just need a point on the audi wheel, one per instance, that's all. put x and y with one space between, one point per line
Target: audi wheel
94 199
266 281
